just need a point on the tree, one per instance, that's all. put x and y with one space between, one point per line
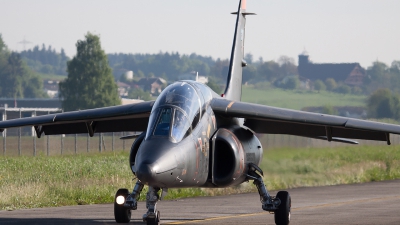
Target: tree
90 83
12 76
212 83
248 58
220 69
395 67
330 84
319 85
356 90
292 83
269 70
249 72
377 70
383 104
343 89
3 46
17 80
46 61
138 93
287 66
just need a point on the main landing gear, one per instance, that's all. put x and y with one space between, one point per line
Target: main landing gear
279 205
125 202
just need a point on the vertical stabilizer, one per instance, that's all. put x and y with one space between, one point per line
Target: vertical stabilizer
233 89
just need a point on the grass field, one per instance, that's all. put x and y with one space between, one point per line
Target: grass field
45 76
27 182
298 99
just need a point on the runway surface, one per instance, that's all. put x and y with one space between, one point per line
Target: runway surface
369 203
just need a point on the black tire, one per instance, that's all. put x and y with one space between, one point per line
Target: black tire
154 221
282 214
121 214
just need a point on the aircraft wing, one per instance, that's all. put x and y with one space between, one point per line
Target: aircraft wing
273 120
132 117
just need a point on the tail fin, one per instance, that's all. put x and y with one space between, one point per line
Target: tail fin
233 90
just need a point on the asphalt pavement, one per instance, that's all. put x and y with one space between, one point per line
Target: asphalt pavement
368 203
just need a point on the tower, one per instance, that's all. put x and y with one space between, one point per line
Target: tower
304 58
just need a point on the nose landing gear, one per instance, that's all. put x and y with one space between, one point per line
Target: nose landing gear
125 202
279 205
152 217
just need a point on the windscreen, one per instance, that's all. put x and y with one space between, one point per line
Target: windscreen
179 105
164 122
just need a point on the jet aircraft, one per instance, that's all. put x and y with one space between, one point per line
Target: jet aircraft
193 137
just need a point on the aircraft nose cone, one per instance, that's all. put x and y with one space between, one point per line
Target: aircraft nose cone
145 173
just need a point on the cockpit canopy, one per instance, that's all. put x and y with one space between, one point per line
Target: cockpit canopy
177 110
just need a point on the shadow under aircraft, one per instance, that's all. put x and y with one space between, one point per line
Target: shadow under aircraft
193 137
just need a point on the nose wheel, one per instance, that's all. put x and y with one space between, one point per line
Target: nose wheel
280 204
155 220
121 213
282 214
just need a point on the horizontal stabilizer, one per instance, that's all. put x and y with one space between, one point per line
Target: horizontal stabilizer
133 136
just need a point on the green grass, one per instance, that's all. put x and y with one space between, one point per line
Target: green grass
46 76
289 167
28 182
298 99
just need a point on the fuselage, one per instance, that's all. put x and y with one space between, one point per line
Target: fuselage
187 145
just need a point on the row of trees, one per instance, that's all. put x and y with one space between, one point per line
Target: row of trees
380 75
171 65
16 79
384 103
166 65
46 60
331 85
90 83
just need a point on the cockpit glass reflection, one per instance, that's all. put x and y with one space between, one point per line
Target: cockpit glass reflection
181 126
164 121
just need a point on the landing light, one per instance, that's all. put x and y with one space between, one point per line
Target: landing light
120 200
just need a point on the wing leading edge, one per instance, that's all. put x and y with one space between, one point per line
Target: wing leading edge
273 120
133 117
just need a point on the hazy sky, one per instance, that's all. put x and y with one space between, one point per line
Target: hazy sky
331 31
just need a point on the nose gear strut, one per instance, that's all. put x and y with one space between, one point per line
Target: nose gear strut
132 199
269 203
152 217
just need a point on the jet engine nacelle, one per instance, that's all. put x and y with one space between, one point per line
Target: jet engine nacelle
134 149
232 149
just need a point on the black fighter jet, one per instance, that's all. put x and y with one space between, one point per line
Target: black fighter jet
193 137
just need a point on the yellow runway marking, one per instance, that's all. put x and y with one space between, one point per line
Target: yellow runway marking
293 209
217 218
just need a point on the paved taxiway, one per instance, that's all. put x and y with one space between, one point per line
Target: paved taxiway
370 203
